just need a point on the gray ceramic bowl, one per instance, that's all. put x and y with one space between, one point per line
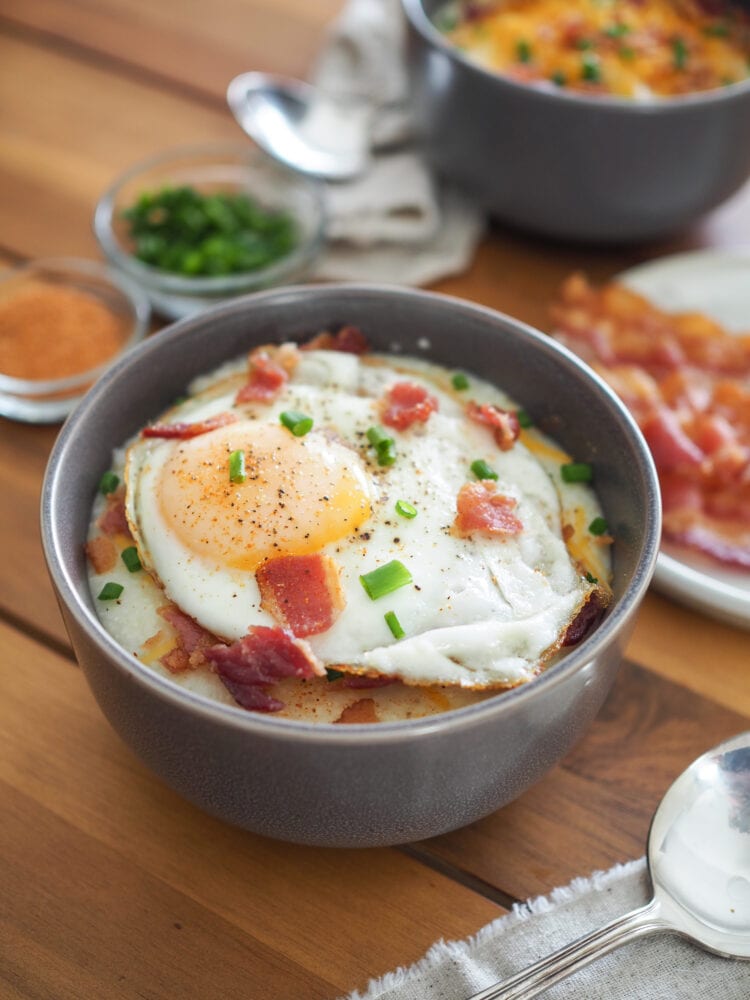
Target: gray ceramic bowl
354 785
568 165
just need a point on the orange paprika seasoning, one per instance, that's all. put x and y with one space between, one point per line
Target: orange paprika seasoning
50 332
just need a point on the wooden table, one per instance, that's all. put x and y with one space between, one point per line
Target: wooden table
112 886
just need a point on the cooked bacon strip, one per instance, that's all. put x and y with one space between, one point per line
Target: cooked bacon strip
187 430
301 592
192 640
504 422
113 520
269 368
670 445
407 403
586 620
101 553
481 507
362 710
262 657
348 339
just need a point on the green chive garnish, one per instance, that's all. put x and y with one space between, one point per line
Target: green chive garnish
298 423
625 52
524 420
384 445
385 579
616 30
680 53
577 472
717 30
460 381
598 526
559 78
590 68
237 472
591 578
523 51
584 43
108 483
483 471
405 509
110 591
394 625
130 557
333 675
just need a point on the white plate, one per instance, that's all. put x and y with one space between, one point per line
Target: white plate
716 283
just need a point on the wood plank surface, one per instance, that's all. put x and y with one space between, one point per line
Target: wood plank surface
99 861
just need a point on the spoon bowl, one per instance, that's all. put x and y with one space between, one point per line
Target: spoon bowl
699 863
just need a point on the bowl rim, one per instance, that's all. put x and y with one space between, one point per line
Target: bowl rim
223 149
354 734
677 104
130 291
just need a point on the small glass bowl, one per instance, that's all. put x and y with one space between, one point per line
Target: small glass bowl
42 401
227 166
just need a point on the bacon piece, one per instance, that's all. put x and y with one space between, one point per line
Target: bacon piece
362 710
269 368
192 640
586 620
262 657
670 445
101 553
348 339
301 592
482 508
113 520
407 403
727 543
503 422
188 430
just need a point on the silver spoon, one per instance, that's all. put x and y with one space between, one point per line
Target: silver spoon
699 862
314 132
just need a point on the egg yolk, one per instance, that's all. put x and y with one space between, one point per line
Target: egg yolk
298 494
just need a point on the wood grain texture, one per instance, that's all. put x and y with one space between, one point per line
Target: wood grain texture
91 899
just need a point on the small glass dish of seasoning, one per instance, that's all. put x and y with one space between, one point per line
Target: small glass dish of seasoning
204 223
63 321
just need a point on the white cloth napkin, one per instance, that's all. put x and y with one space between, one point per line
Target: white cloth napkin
394 223
657 967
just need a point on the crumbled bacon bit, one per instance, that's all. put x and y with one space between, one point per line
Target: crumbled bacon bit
586 620
113 520
192 640
480 507
301 592
349 339
269 368
407 403
101 553
361 711
189 430
262 657
503 422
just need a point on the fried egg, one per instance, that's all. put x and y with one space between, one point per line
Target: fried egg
479 611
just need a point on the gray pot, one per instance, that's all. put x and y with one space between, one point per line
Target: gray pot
353 785
568 165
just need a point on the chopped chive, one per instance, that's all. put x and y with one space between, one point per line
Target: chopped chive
584 43
598 526
616 30
591 578
460 381
385 579
625 52
298 423
333 675
405 509
577 472
108 483
483 471
130 557
110 591
384 445
590 67
524 420
559 78
180 400
237 472
523 51
679 52
394 625
717 30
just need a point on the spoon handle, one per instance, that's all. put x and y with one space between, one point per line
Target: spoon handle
536 978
